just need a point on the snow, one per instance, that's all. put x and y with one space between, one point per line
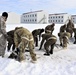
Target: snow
61 62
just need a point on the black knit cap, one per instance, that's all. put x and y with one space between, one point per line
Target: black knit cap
5 14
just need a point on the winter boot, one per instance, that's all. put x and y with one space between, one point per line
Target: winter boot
47 54
74 42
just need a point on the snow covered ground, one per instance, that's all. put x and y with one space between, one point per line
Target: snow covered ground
62 62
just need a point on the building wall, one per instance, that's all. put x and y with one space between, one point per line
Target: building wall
34 17
66 18
59 18
13 18
42 17
29 18
73 17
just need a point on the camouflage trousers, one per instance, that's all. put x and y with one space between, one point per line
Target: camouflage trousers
64 42
2 45
22 45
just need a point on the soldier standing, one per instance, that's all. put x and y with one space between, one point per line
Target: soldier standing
3 34
70 27
22 38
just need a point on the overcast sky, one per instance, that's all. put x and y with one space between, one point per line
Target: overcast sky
51 6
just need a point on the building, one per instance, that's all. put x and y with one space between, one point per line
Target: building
73 17
35 17
59 18
13 18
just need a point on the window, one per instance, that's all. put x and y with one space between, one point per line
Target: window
35 20
62 17
61 20
59 16
58 20
35 15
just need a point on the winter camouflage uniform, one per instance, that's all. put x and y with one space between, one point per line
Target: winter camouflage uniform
22 38
63 37
2 36
11 40
63 28
74 29
49 28
37 33
70 27
50 42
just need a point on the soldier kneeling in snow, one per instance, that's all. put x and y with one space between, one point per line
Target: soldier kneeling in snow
50 42
63 37
22 38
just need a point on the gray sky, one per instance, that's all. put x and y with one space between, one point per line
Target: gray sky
51 6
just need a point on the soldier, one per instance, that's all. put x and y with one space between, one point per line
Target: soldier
63 37
11 40
3 34
74 30
22 38
49 28
36 33
50 42
70 24
70 27
63 28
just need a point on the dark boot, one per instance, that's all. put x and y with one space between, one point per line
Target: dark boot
52 47
61 44
51 51
47 54
74 42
